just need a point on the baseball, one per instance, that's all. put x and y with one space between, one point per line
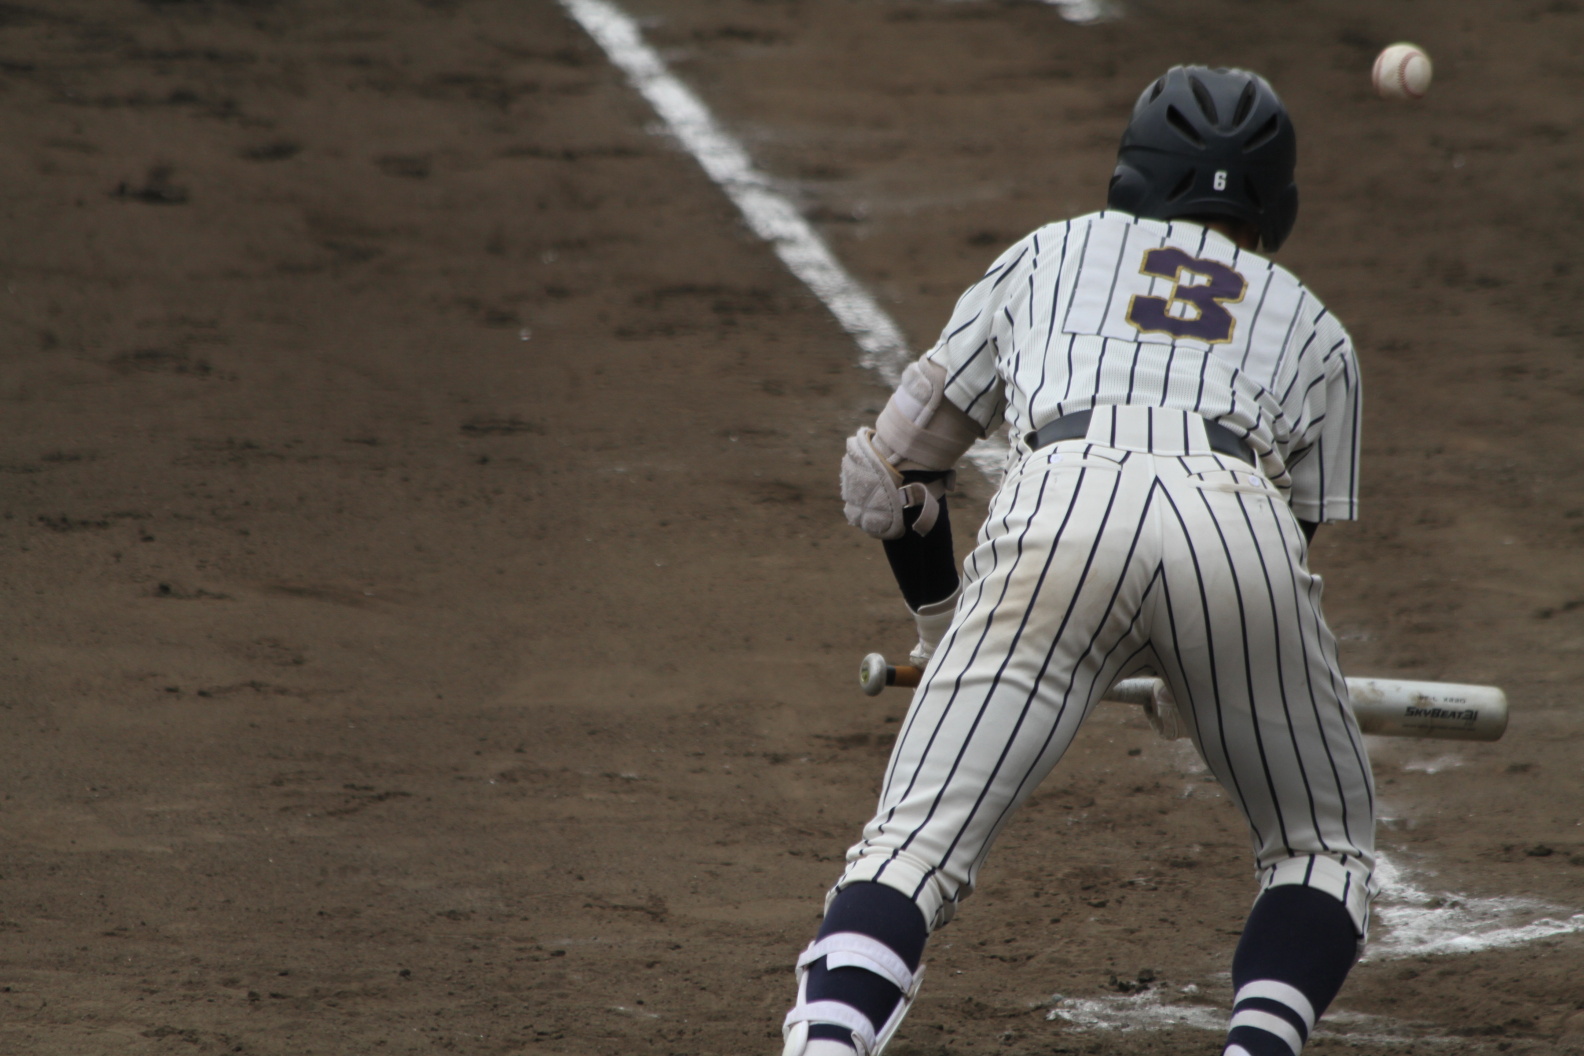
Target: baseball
1402 71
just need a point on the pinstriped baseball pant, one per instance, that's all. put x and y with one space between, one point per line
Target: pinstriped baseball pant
1136 548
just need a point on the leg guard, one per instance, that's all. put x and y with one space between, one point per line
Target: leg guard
849 949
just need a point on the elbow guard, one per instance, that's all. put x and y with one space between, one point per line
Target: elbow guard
921 429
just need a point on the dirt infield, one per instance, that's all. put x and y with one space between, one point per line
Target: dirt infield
430 619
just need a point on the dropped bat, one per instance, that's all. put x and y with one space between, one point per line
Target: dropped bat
1387 707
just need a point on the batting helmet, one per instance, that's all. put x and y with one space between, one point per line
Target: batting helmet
1212 143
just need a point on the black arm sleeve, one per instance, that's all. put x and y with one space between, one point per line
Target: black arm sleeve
925 566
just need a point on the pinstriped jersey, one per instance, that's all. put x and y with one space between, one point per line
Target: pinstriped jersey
1112 309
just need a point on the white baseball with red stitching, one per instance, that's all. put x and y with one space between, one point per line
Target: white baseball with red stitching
1402 71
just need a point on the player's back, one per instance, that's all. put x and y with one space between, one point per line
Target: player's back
1112 309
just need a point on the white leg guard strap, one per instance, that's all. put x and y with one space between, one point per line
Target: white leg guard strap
852 949
849 949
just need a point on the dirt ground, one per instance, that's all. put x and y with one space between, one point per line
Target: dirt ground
430 621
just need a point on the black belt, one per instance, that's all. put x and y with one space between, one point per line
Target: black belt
1075 426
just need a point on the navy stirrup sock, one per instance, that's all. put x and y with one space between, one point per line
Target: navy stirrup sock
1297 948
886 915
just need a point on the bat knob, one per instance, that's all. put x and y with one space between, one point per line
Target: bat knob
872 674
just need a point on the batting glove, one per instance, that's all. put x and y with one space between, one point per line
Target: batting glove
933 621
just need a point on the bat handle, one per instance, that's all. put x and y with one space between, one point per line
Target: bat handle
874 674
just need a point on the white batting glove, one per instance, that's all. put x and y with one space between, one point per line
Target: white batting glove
933 621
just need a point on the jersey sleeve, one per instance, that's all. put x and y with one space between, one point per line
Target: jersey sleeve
969 347
1325 478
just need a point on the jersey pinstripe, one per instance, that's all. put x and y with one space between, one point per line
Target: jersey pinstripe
1109 309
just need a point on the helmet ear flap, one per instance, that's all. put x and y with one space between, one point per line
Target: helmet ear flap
1277 221
1130 188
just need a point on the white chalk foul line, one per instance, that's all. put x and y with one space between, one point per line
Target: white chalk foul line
769 213
771 216
1149 1011
1418 923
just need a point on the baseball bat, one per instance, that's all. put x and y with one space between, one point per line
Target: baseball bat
1386 707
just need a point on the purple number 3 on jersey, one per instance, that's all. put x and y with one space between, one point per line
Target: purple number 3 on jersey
1201 287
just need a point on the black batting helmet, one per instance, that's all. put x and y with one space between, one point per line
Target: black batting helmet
1212 143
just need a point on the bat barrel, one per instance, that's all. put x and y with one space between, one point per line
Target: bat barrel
1133 691
1448 711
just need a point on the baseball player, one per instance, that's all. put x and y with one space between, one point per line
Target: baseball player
1183 414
